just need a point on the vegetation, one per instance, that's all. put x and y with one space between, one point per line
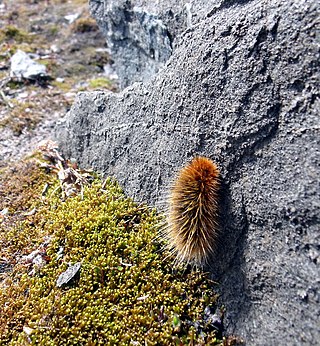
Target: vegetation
101 82
126 291
10 33
85 25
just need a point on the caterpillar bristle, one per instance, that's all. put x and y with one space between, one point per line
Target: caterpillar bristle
193 212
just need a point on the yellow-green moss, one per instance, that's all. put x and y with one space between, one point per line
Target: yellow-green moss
101 82
127 291
66 85
12 33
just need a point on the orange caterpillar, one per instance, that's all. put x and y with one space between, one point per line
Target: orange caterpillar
193 211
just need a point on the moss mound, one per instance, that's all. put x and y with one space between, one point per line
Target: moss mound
125 292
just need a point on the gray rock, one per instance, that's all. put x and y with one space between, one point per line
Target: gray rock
69 275
141 34
72 17
22 66
138 40
241 87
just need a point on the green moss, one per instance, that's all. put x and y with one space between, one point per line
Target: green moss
75 69
64 86
53 30
101 82
94 57
11 33
127 291
51 66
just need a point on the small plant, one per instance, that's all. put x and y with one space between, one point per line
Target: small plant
125 290
82 25
12 33
22 116
99 83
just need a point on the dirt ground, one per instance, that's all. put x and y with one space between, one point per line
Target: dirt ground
61 35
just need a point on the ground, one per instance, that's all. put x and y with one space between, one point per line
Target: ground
76 56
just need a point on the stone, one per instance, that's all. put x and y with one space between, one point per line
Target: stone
241 87
140 35
68 276
72 17
22 66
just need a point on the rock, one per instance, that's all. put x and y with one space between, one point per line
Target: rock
241 87
30 258
141 34
39 262
55 49
22 66
72 17
69 275
28 330
138 40
4 212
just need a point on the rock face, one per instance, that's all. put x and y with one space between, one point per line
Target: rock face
241 87
141 34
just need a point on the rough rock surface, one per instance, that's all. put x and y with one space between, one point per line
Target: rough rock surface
241 87
141 34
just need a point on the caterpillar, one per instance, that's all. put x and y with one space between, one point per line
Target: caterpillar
193 215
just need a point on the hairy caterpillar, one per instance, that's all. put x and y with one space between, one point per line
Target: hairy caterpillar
193 211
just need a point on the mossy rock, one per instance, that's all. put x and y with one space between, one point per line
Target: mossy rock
126 292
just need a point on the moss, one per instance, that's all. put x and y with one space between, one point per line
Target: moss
76 69
21 116
53 30
8 49
51 66
11 33
127 291
82 25
66 85
20 185
99 83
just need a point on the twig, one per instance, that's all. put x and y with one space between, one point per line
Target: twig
4 98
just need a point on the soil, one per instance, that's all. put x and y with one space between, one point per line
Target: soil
62 35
